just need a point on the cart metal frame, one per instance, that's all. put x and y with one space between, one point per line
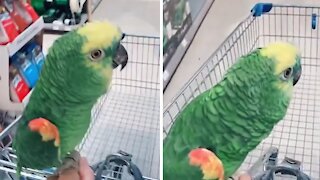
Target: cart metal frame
298 135
126 118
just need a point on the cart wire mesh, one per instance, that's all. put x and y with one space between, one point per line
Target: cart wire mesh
298 135
126 118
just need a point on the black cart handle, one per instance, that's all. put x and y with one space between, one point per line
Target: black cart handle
122 159
267 167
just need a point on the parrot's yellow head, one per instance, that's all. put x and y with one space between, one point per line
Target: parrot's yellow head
99 35
85 58
287 63
103 38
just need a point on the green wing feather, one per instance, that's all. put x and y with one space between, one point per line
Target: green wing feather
231 119
67 108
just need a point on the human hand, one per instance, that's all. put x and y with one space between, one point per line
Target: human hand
84 172
244 177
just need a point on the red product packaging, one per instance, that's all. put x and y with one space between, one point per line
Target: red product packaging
18 87
31 12
18 13
8 28
4 39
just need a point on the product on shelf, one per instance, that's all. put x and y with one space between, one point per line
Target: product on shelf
18 13
8 31
176 21
27 69
35 53
50 15
3 36
18 87
59 12
34 16
39 6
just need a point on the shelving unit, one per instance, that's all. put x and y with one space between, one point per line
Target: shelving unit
63 27
170 64
6 52
84 18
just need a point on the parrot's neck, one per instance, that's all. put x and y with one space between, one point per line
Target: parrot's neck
56 93
53 102
248 109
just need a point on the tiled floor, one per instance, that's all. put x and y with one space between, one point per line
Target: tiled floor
130 123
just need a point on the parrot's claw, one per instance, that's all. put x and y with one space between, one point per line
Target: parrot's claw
71 161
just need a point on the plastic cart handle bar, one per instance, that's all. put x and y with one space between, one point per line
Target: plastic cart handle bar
266 167
8 129
122 159
261 8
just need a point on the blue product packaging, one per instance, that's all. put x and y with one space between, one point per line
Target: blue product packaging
34 51
27 69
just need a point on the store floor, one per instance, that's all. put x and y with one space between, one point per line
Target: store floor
137 17
221 20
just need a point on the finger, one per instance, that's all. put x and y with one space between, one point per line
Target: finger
69 174
85 171
53 178
244 177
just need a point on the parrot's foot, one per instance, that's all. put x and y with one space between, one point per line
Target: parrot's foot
46 129
71 163
209 163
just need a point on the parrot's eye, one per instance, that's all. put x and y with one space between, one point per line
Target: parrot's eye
287 73
96 54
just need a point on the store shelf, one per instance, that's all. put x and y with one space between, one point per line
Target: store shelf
6 52
25 37
67 28
26 99
170 65
63 27
131 107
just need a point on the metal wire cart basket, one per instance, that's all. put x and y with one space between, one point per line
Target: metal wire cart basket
298 135
126 119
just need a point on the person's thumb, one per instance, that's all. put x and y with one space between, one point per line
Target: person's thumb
244 177
85 172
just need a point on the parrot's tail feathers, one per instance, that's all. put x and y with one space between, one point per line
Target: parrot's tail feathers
59 155
46 129
209 163
19 169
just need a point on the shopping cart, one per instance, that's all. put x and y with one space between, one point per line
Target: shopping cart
126 119
298 135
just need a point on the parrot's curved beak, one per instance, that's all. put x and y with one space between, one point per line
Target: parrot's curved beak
121 58
297 73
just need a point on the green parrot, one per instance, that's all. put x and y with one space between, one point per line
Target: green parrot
213 134
77 71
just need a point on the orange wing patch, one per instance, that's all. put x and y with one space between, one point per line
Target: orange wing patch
209 163
46 129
